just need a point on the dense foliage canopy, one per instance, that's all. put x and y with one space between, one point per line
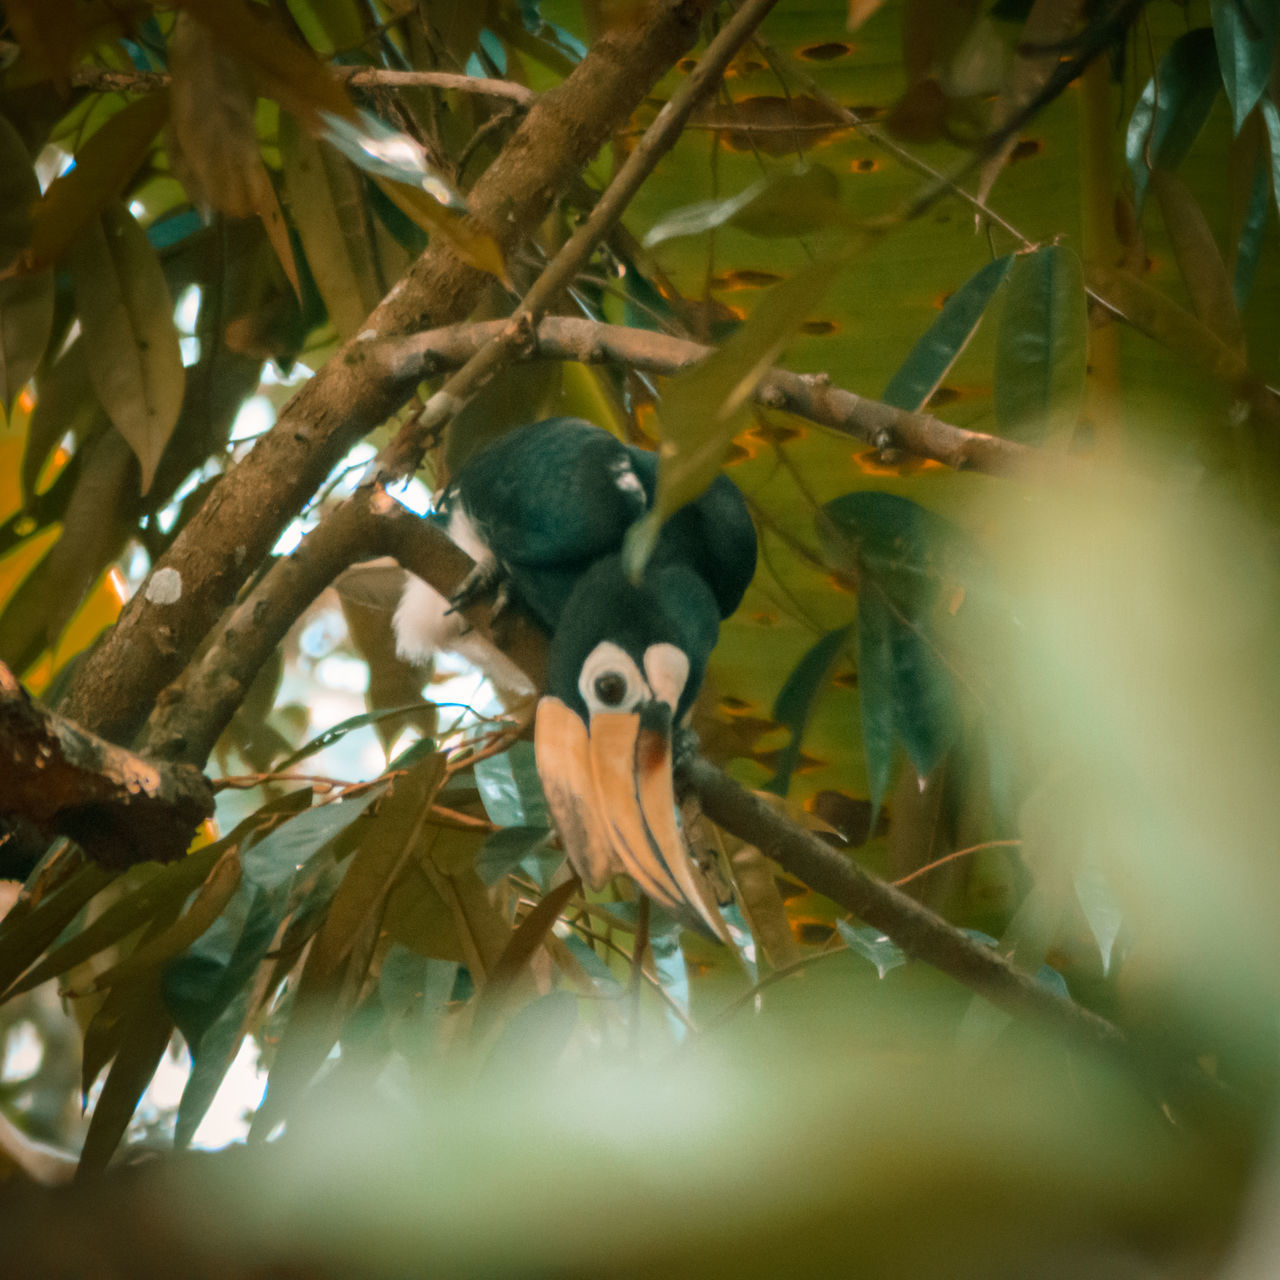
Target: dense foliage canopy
977 305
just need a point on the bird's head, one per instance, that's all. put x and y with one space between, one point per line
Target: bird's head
624 666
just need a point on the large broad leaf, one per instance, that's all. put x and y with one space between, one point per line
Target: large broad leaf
947 337
103 165
26 301
1245 32
1271 115
213 143
792 203
292 73
1250 216
795 701
510 789
903 557
875 694
326 202
703 408
130 343
1199 261
274 860
1041 347
1173 107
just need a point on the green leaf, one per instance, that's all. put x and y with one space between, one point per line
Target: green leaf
510 789
205 907
876 693
923 697
1245 33
1041 346
794 202
704 407
130 343
342 949
935 353
210 1060
1252 234
904 556
867 941
524 941
26 301
1272 118
506 849
275 859
536 1036
795 701
1173 107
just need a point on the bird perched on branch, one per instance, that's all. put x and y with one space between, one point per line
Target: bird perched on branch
543 512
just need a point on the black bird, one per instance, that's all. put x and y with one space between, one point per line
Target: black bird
543 511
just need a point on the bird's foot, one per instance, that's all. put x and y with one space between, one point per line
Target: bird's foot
487 577
684 748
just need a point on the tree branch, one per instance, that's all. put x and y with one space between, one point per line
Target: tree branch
192 712
811 396
559 273
108 80
234 529
918 931
119 807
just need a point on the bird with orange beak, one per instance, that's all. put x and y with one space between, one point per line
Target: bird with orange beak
543 511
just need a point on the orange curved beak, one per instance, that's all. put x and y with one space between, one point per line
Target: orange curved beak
611 794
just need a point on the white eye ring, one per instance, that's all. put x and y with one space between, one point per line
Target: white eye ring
610 680
668 671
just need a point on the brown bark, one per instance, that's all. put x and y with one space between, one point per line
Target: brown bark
119 807
209 561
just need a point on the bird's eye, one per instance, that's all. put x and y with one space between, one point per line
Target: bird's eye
610 680
611 688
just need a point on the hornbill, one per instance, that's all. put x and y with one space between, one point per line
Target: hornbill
543 511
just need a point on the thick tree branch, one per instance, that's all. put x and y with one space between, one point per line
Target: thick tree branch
235 528
119 807
918 931
193 711
658 139
562 338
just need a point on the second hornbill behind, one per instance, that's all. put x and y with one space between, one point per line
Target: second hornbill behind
543 511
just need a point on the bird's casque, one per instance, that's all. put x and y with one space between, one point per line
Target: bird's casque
544 510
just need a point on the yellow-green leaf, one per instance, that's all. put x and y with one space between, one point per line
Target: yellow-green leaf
26 302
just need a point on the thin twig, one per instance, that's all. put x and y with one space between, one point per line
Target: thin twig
516 331
959 853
